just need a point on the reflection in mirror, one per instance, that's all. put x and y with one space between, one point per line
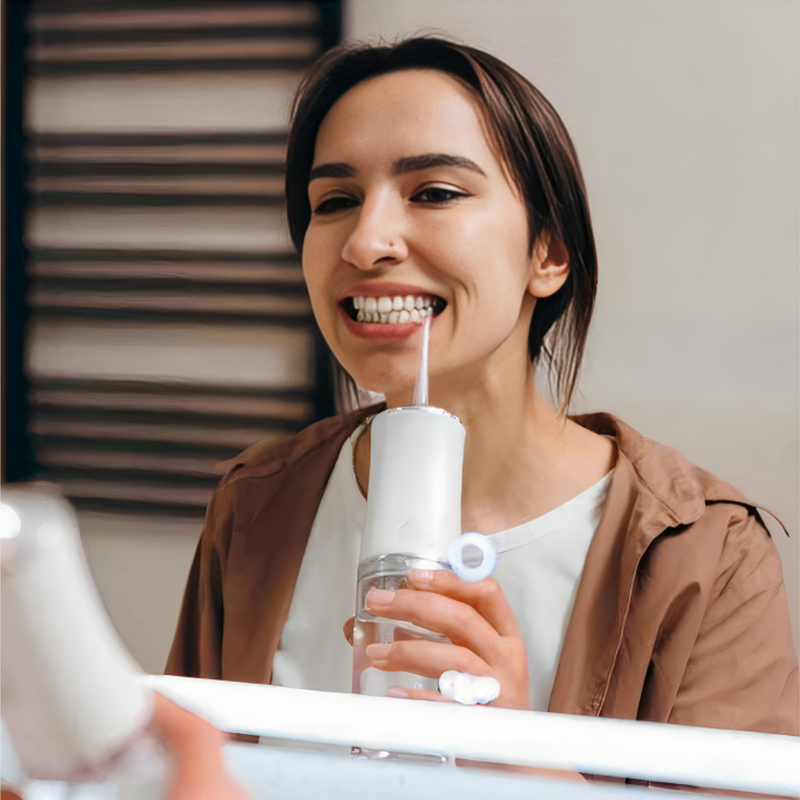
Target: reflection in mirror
173 320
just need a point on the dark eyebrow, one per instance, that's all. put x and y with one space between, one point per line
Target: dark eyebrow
401 167
430 160
334 170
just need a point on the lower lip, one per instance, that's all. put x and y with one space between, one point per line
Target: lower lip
382 331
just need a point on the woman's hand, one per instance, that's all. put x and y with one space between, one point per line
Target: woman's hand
200 769
477 619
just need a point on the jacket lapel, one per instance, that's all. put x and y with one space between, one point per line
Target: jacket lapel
631 520
654 488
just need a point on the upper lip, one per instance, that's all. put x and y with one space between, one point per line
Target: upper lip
385 290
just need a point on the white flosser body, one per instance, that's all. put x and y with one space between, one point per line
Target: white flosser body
414 503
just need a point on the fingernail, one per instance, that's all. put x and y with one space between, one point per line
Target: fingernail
379 596
423 578
378 652
396 691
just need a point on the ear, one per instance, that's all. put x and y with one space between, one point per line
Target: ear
549 265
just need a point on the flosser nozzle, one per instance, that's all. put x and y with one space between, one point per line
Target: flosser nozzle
421 389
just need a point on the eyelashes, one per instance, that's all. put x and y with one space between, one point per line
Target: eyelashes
437 195
333 204
430 195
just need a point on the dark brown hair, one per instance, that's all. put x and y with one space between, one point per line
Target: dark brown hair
533 144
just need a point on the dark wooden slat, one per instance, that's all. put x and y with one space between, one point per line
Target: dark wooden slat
157 200
173 49
154 65
176 35
222 317
147 140
121 15
60 456
210 275
100 254
146 492
141 170
235 439
168 391
182 513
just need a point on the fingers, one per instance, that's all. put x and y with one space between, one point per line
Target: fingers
459 622
417 694
428 659
200 769
485 596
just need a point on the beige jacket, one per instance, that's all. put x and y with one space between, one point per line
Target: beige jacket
681 613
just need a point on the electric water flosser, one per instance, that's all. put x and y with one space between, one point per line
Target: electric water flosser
413 521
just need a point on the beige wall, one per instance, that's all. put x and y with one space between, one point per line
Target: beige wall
685 116
140 566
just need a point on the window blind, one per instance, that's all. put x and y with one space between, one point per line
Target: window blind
168 323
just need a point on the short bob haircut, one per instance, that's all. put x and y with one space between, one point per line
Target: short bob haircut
532 143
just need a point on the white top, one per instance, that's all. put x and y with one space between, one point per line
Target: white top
540 581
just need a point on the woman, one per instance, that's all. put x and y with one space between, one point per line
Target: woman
428 179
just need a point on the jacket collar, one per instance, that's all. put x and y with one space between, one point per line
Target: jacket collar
680 488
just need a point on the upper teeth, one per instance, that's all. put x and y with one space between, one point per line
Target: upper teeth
391 310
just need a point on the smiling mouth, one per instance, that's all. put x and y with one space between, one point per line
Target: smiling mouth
393 310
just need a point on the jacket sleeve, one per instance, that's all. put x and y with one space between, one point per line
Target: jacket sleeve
196 647
742 672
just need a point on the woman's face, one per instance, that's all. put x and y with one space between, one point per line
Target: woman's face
414 216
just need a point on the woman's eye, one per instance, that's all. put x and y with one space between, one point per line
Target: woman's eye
333 204
437 195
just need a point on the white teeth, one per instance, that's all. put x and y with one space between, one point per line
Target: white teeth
392 310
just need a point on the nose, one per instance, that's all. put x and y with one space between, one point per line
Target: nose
377 239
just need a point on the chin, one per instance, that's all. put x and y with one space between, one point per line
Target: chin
388 387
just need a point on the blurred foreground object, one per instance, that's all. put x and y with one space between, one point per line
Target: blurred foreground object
69 697
71 702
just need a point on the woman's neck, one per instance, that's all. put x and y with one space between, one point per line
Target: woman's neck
521 458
